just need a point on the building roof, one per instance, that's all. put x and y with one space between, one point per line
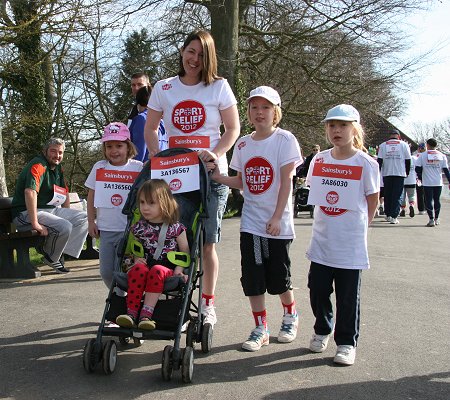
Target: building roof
377 130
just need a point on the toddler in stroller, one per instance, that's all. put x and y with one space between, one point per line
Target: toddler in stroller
301 193
158 232
166 316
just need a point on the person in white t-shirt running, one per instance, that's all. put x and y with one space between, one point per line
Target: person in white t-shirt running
265 162
194 104
429 167
104 200
344 184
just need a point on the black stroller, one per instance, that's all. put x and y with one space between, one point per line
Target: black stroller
176 312
301 193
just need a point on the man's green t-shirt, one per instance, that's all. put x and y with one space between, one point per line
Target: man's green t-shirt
38 176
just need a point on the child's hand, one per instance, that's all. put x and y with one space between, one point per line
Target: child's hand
93 230
140 260
273 227
215 173
179 272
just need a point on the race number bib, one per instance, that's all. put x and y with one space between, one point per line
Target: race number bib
59 196
393 150
181 172
112 187
433 157
335 186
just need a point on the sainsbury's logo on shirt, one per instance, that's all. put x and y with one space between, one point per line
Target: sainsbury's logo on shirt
187 142
338 171
118 175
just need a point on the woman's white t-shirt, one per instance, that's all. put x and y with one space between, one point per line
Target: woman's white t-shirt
191 114
111 219
260 162
339 236
432 162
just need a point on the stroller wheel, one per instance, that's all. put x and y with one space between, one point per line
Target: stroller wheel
191 334
167 364
124 340
187 366
109 357
207 336
90 358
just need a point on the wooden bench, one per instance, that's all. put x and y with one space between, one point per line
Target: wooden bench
16 243
15 246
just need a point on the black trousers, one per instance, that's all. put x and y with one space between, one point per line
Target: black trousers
420 198
347 284
393 190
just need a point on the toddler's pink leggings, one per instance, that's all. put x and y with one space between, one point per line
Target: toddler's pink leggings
141 279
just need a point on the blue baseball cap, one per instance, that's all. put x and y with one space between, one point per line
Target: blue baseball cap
343 112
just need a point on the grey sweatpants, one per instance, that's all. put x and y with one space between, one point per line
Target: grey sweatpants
67 230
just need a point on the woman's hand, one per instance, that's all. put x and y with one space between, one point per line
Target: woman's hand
207 156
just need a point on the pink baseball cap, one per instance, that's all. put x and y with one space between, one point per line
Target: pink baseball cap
115 131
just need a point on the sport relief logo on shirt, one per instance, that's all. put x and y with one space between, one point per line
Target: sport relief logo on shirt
188 116
258 175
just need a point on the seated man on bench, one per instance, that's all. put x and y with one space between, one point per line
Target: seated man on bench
41 202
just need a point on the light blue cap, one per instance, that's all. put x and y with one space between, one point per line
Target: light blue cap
343 112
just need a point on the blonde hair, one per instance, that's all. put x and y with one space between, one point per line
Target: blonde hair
209 67
158 189
132 151
278 114
358 137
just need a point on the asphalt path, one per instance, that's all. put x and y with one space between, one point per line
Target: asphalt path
403 352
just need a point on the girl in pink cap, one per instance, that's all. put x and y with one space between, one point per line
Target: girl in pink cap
109 182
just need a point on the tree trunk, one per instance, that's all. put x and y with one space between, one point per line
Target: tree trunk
35 68
3 188
225 30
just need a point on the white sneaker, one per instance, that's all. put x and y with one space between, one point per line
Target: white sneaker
345 355
209 314
431 222
288 330
258 337
437 221
388 219
422 212
319 343
394 221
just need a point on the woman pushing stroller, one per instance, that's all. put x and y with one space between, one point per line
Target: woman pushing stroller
158 231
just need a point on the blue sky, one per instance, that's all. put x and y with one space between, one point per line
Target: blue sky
429 102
